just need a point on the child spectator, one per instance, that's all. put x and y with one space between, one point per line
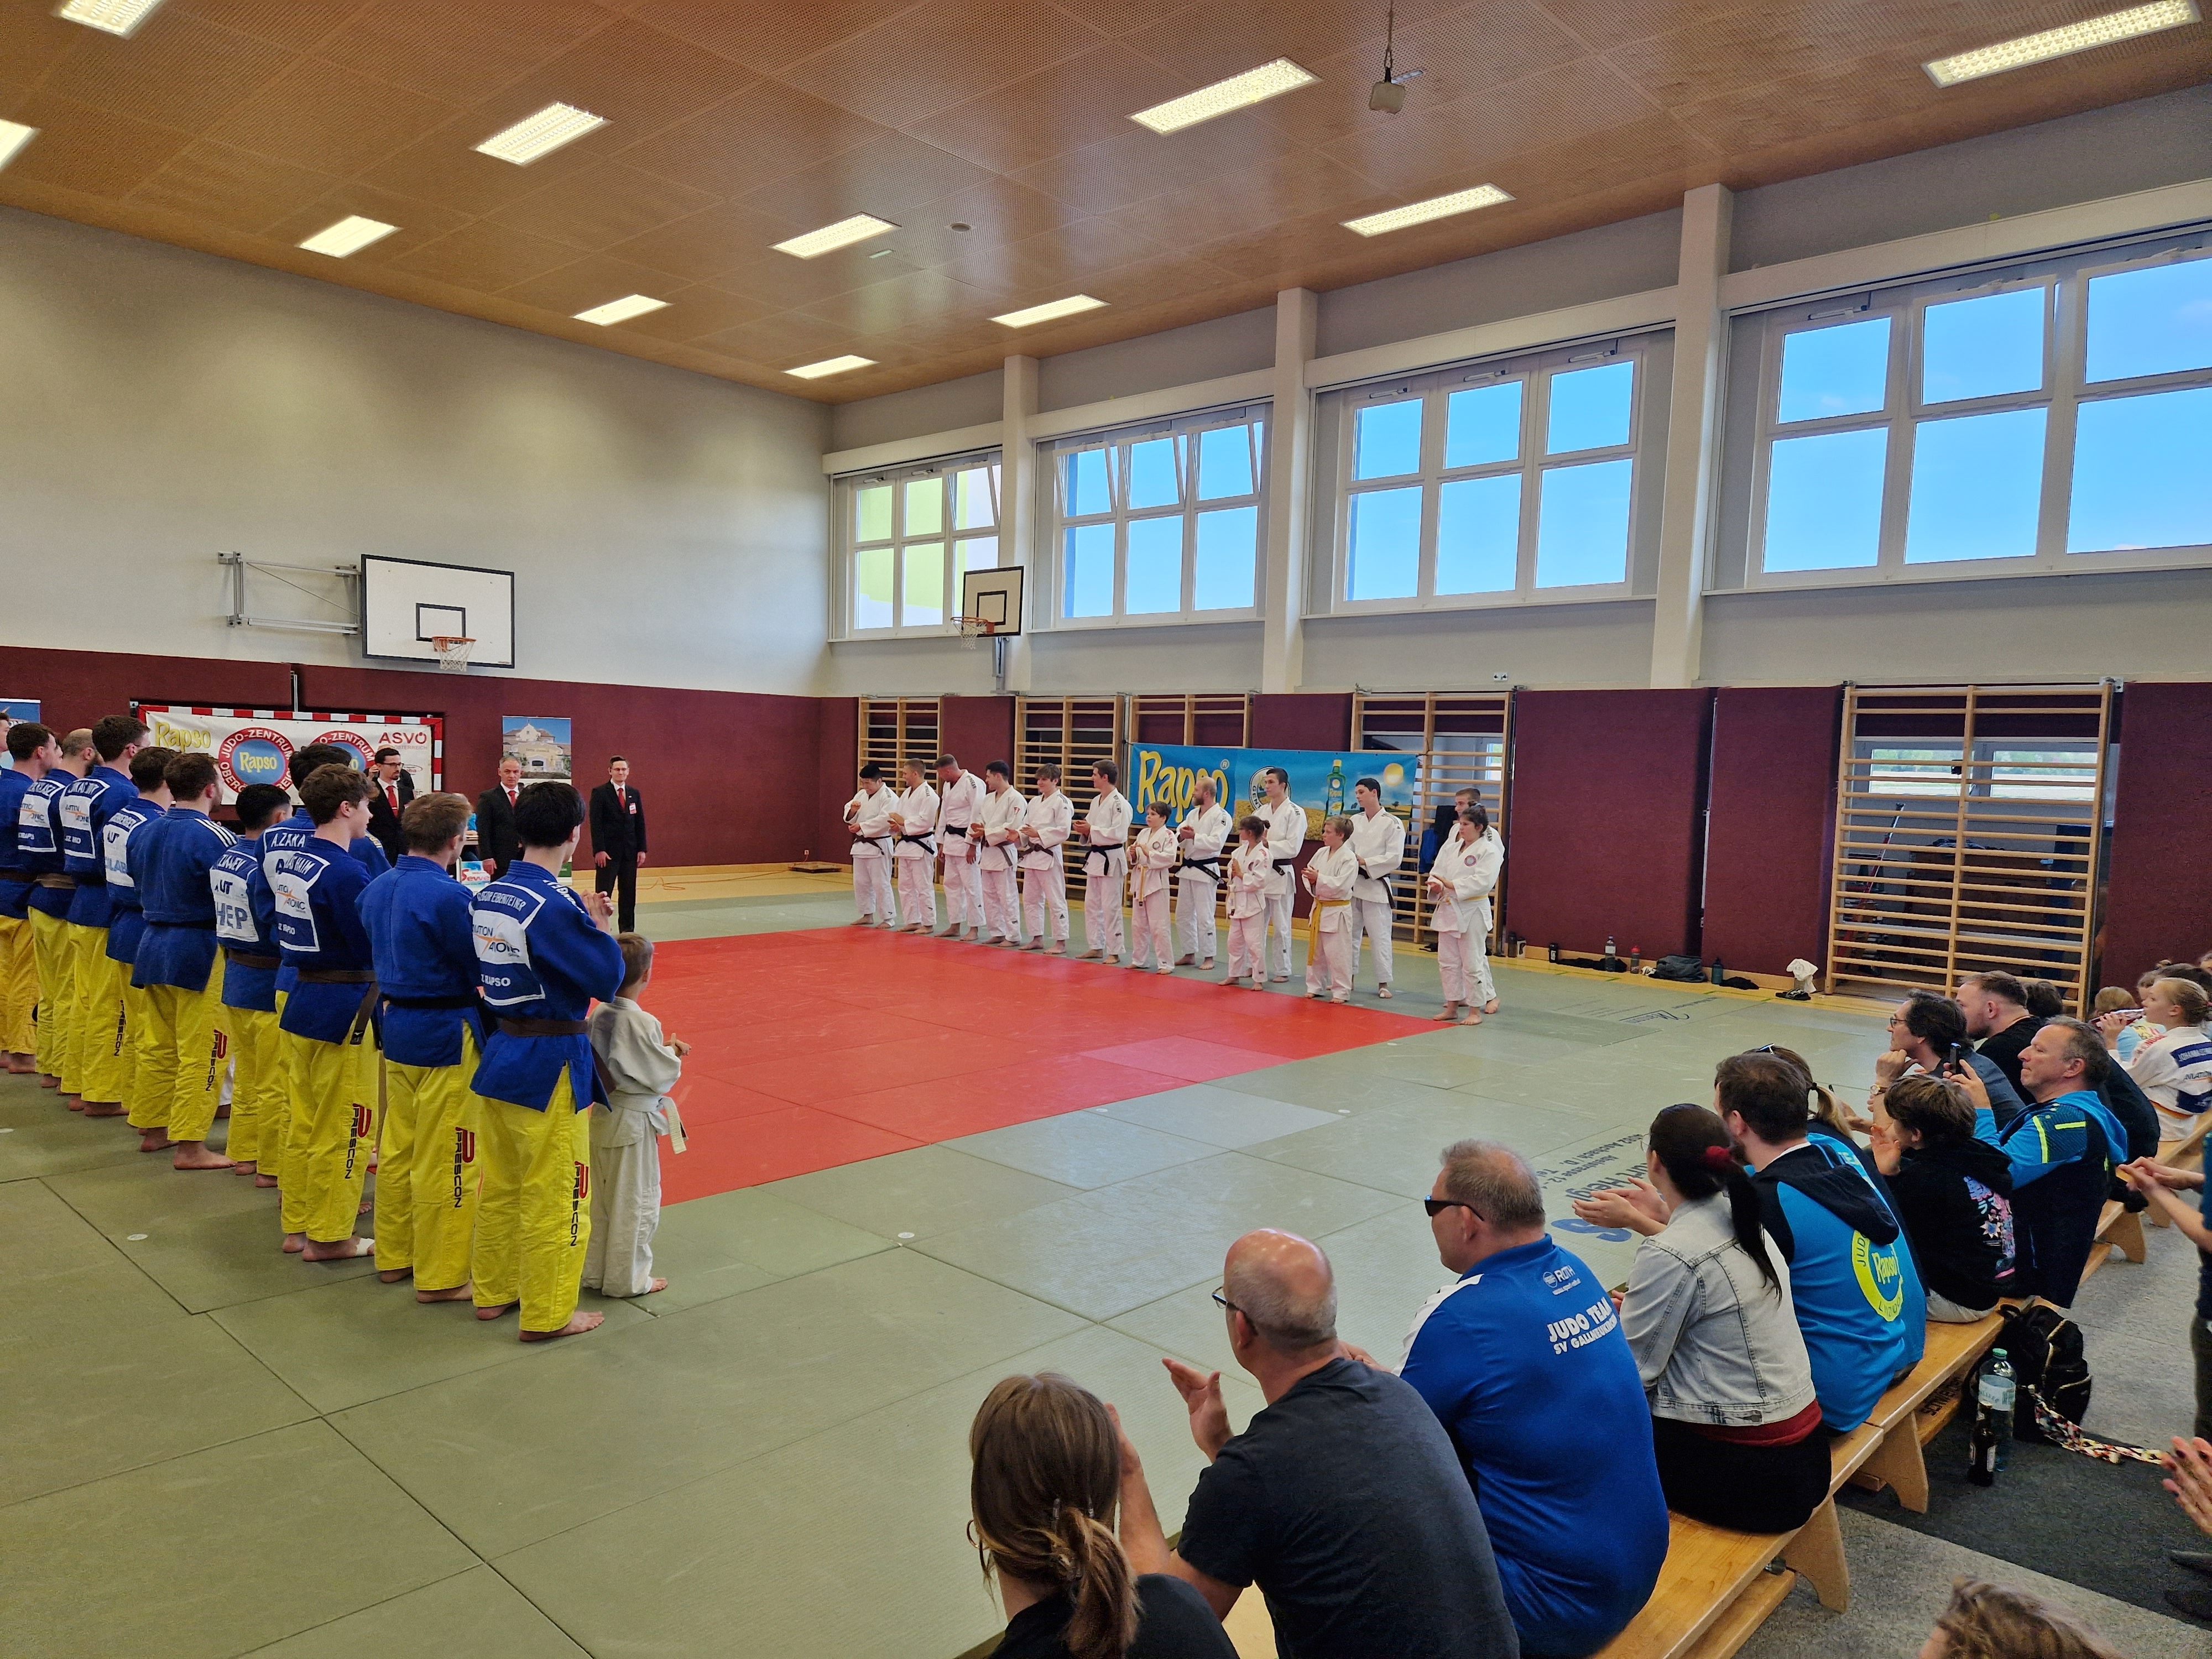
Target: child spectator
1954 1193
637 1067
1248 868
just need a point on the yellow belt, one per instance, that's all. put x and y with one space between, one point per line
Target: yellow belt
1313 923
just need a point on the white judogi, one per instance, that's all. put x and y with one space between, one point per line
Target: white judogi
1044 879
1105 859
1249 872
640 1069
915 856
1379 843
999 817
869 812
1200 884
1286 837
1151 869
957 807
1462 880
1328 963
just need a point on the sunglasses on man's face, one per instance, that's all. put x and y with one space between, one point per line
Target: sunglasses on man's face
1437 1206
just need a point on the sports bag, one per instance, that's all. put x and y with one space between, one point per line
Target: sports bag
2045 1350
1689 968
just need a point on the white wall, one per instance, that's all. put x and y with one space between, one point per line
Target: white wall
161 406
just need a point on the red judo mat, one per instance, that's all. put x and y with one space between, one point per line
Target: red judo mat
816 1049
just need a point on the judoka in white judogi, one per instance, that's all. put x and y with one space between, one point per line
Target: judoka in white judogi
998 822
958 802
914 821
1286 836
639 1067
1250 871
869 814
1379 841
1151 868
1204 831
1105 860
1461 882
1045 825
1329 877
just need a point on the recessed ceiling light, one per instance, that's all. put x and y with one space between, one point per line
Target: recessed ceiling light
1419 213
1049 310
1254 86
830 238
13 137
109 16
2060 42
621 310
829 365
350 235
541 134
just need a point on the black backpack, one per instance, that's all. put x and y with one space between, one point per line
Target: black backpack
2048 1364
1689 968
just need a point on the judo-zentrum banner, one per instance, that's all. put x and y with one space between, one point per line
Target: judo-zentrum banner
256 745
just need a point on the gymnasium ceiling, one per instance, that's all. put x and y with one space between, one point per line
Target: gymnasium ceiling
240 127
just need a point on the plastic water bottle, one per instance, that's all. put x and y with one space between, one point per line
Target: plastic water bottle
1610 953
1992 1420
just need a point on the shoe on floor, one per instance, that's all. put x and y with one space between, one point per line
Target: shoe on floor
2195 1560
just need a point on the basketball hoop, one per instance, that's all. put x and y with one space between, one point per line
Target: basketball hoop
453 651
973 628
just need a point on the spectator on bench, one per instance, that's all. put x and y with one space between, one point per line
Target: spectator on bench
1922 1032
1858 1298
2042 999
1953 1191
2173 1068
1709 1317
1342 1499
1043 1491
2063 1153
1521 1359
1996 1007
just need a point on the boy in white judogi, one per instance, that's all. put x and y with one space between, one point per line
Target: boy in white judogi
997 825
1045 825
1461 882
1286 838
1249 872
1151 868
1330 876
1379 841
1104 830
637 1067
1204 832
868 816
913 821
959 799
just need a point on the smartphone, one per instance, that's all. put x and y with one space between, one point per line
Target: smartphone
1956 1057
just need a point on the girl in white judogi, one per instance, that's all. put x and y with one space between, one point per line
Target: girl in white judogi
637 1067
1459 885
1330 930
1045 825
1151 868
868 815
913 820
1250 870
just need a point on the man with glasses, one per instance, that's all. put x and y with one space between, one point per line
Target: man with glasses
1928 1033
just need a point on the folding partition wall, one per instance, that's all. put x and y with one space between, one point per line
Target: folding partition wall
897 729
1457 740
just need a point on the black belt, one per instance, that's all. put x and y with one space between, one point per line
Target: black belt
238 959
928 842
1213 864
207 927
873 841
537 1028
338 977
469 1001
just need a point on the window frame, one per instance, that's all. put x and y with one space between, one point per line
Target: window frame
851 546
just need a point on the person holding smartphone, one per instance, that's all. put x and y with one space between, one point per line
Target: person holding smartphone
1928 1033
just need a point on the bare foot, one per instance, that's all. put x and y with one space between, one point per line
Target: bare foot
198 1155
260 1180
576 1326
244 1166
154 1140
50 1083
656 1287
294 1243
1491 1006
1450 1011
1473 1018
497 1310
106 1111
458 1293
392 1276
345 1249
75 1103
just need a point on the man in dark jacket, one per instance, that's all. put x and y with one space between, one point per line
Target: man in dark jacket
394 789
496 842
618 839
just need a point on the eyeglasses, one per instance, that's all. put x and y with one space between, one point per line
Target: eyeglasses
1224 1302
1437 1206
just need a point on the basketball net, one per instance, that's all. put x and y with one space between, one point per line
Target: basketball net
453 651
973 628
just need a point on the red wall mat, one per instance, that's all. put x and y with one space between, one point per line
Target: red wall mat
837 757
979 730
79 687
1301 720
1604 836
1770 829
2158 905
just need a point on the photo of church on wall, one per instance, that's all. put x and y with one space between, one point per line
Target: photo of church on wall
539 742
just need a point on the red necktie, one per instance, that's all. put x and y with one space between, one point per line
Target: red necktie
391 794
510 798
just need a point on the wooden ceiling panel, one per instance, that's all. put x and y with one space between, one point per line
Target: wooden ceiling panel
940 53
434 48
637 79
918 299
485 258
33 40
201 72
766 132
1085 99
721 239
784 341
766 36
886 177
780 279
694 312
232 187
419 222
295 25
80 147
587 283
445 166
319 115
604 205
1207 41
997 213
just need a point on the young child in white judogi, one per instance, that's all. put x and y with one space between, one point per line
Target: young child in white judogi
1250 869
1151 868
637 1067
1045 825
1461 882
868 815
913 821
1328 876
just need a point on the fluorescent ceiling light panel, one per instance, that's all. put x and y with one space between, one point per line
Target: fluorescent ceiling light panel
109 16
542 134
621 310
1050 311
13 137
350 235
1419 213
2041 48
827 240
1254 86
829 365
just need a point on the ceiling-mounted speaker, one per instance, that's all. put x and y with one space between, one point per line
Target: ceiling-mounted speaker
1388 96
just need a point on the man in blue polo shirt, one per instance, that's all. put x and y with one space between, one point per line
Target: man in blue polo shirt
31 751
126 917
1522 1361
2063 1153
99 1058
183 1051
38 845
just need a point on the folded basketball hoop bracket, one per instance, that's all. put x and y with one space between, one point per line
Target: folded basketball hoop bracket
336 587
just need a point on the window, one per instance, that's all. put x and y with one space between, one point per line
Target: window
1160 522
912 534
2054 416
1491 483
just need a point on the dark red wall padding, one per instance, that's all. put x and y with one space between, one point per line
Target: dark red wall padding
1604 833
837 776
979 730
1301 720
1770 825
2158 904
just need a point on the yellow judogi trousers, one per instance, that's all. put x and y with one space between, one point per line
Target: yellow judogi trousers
137 1011
181 1057
260 1089
426 1170
51 942
19 987
534 1216
333 1131
88 946
103 1021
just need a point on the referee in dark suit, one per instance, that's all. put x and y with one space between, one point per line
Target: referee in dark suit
496 839
394 789
618 840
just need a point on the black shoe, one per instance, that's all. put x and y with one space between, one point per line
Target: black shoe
2195 1560
2192 1599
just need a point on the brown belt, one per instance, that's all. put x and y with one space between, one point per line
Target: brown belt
338 977
247 959
56 881
531 1028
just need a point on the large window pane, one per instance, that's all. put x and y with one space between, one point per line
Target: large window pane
871 513
2151 321
1089 571
1590 408
1478 535
1155 477
1087 490
1228 559
973 553
1389 439
2142 473
1977 483
925 506
1823 500
1982 346
924 588
1225 461
872 585
975 498
1483 425
1835 371
1582 534
1155 566
1386 545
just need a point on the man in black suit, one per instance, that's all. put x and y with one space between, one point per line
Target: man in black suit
495 841
394 789
618 839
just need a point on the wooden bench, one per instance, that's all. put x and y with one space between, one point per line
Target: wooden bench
2187 1153
1905 1428
2121 1229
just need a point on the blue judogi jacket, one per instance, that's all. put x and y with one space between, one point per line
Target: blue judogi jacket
246 922
15 874
317 889
86 806
39 840
540 955
126 917
292 835
174 854
418 922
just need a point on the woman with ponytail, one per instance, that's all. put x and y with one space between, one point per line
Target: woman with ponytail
1708 1317
1044 1490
